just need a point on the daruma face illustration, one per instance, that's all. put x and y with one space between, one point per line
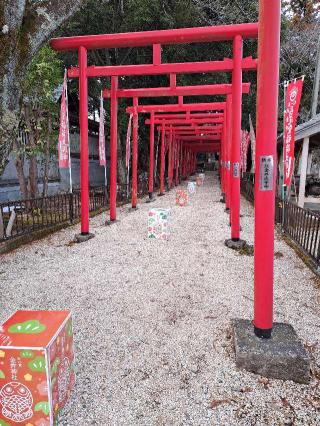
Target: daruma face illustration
16 400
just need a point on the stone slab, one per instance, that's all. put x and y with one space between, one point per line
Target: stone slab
111 222
150 200
235 245
283 356
81 238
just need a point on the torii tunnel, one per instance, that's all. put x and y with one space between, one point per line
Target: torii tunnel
187 129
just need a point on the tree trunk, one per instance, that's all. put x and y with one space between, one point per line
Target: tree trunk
47 160
33 164
33 176
24 27
19 163
121 164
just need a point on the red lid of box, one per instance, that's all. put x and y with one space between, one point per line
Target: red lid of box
32 328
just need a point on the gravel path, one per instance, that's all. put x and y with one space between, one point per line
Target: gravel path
152 318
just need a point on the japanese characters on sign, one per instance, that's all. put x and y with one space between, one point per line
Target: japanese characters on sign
102 146
236 170
293 97
266 173
63 141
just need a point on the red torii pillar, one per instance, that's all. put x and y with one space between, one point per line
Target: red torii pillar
266 157
151 158
235 241
162 160
135 123
228 152
170 158
236 137
84 158
113 149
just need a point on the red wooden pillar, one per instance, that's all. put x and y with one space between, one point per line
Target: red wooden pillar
162 160
151 156
177 145
113 148
84 149
228 115
134 154
236 131
223 167
170 158
266 155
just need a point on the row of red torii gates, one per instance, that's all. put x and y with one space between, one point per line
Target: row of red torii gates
187 129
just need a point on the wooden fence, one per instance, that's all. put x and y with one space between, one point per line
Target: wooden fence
24 217
299 224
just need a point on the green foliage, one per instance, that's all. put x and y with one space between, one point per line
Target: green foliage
43 76
144 15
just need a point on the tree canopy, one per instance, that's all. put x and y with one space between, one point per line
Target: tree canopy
26 26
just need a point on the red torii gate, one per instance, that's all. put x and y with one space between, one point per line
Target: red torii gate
152 109
268 76
175 91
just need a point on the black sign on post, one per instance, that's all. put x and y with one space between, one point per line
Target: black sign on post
236 170
266 173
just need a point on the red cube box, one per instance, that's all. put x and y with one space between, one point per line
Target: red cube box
36 367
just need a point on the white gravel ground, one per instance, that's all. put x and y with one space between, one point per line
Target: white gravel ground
152 318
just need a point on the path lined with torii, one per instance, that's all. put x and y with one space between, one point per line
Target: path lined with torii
152 318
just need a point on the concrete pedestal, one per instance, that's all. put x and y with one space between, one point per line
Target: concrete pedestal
283 356
81 238
133 209
235 245
111 222
150 199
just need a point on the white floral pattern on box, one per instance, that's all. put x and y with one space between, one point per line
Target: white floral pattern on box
191 188
158 224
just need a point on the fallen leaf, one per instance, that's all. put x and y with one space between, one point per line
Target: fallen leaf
216 402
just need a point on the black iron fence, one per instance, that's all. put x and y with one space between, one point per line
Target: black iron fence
23 217
299 224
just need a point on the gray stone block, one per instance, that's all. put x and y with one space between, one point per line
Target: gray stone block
283 356
111 222
150 200
81 238
235 245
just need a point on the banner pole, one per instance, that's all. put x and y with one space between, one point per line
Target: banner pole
69 153
284 123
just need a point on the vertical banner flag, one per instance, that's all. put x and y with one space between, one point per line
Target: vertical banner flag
102 142
129 131
245 140
63 141
292 102
253 145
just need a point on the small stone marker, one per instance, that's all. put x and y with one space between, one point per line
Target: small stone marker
182 198
36 366
199 181
191 188
283 356
158 223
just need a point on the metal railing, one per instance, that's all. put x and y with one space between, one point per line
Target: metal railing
24 217
299 224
